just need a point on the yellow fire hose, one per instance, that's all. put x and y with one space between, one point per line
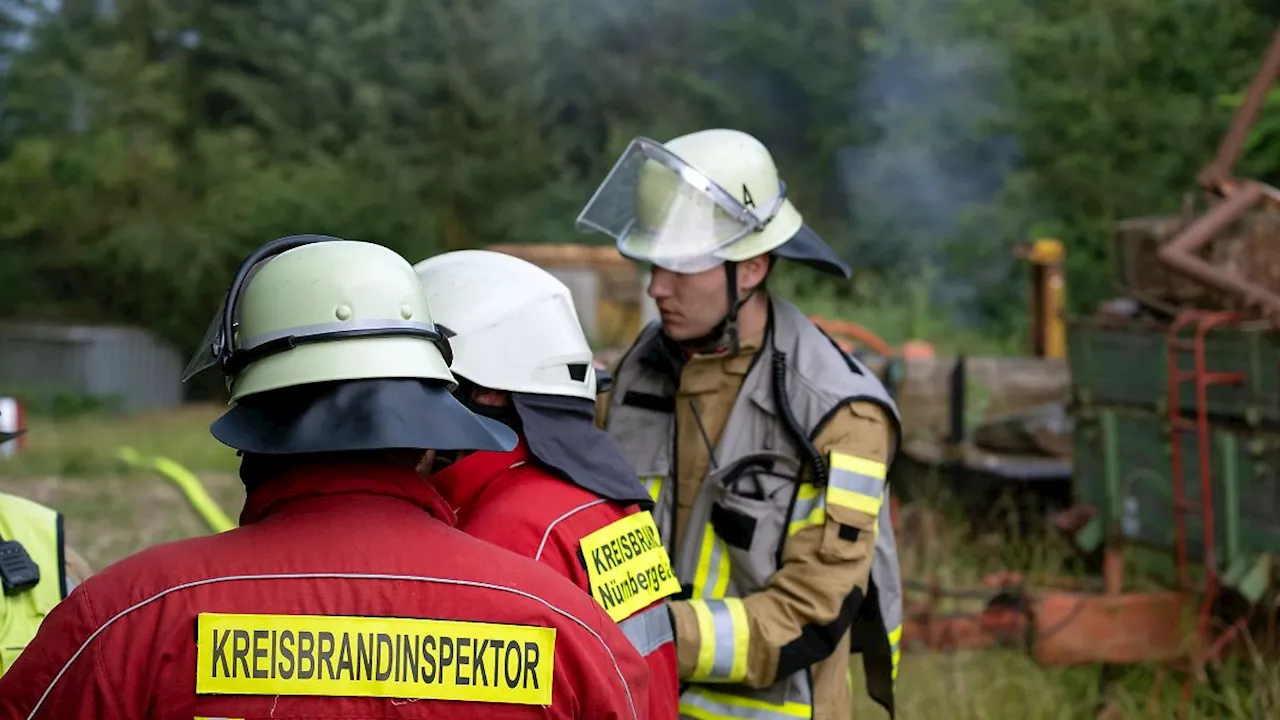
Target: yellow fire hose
186 481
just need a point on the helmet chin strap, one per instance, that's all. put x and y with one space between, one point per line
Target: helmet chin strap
724 336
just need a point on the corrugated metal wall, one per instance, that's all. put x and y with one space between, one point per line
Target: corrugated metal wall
130 363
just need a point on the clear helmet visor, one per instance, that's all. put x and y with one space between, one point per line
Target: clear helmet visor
664 211
204 356
206 353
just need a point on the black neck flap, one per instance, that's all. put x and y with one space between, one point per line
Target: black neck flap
350 415
562 435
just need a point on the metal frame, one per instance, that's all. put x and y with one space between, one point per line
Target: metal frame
1240 196
1141 627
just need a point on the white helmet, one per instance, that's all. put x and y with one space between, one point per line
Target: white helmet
511 324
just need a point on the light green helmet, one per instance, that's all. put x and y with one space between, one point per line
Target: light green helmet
311 309
695 202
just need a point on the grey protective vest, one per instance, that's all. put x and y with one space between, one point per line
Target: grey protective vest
755 482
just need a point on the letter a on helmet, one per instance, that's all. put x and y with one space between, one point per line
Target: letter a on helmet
700 200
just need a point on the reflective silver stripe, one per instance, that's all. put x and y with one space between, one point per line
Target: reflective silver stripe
319 328
727 648
711 576
547 533
649 629
809 508
705 704
857 482
724 638
622 680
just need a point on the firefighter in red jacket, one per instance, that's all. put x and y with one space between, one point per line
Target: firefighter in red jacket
565 496
345 592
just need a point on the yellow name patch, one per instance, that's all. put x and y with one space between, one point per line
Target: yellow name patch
374 657
627 565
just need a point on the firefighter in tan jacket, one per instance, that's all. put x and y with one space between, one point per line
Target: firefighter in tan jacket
766 449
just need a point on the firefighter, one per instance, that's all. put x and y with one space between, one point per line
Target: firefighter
37 567
765 447
345 592
565 496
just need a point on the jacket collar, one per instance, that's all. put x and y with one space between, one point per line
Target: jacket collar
670 358
468 477
300 483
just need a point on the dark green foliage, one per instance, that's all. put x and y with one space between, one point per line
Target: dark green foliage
143 153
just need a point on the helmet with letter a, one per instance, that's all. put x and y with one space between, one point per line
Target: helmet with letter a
329 345
701 200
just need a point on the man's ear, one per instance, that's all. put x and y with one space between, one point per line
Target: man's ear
752 273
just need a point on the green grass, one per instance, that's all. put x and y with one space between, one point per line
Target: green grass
113 511
86 445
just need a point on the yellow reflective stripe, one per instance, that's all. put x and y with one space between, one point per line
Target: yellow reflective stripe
707 704
653 485
810 509
724 636
706 635
873 469
816 517
856 483
711 576
895 641
693 711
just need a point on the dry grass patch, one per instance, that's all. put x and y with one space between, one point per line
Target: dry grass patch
112 511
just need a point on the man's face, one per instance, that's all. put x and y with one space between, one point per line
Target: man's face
690 305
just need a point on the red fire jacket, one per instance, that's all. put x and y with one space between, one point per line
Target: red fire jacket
345 593
511 500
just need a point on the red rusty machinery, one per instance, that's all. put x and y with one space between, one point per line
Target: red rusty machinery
1062 623
850 336
1237 197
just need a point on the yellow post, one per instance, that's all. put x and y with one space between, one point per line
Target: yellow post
1048 298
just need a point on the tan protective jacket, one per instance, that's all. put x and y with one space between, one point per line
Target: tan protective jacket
775 562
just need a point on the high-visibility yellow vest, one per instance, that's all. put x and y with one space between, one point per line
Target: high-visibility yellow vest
39 529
